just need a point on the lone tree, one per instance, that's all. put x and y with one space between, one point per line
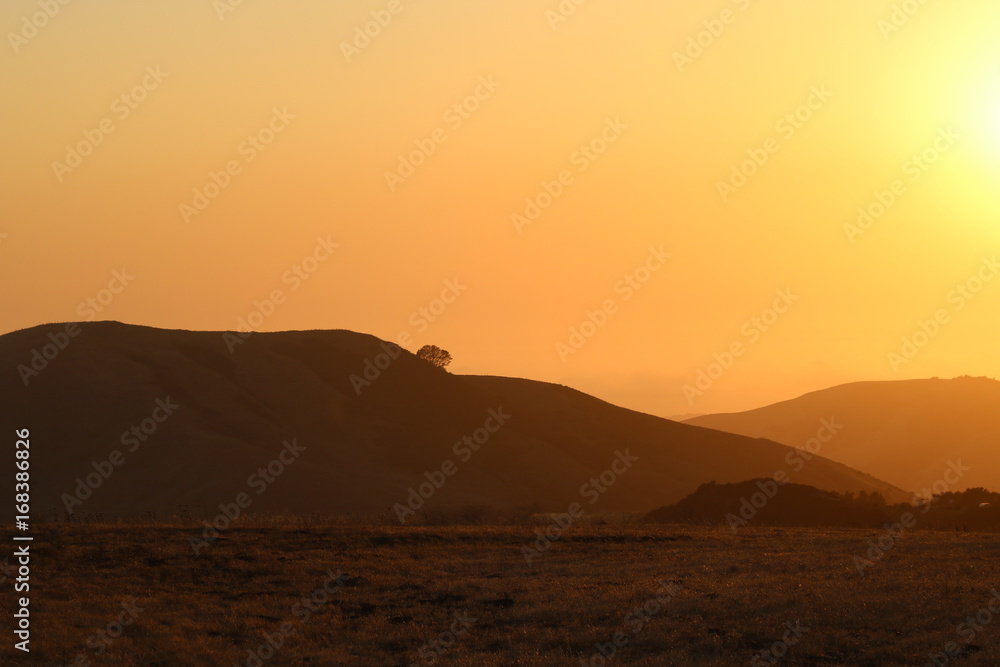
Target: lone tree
435 355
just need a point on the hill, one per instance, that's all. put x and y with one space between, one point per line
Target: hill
906 432
761 502
128 420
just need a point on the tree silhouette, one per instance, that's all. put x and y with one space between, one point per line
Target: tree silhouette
435 355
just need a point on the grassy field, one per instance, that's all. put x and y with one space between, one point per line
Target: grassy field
349 595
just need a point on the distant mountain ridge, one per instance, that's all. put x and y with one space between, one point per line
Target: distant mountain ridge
907 432
166 421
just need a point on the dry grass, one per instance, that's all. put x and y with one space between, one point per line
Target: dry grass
403 587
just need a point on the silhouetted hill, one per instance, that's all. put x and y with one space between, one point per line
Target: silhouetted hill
761 502
366 445
905 432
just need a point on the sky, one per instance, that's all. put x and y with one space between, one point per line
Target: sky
680 208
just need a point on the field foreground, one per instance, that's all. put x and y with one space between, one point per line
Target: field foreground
660 595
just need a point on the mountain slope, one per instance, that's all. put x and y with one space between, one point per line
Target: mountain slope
905 432
366 443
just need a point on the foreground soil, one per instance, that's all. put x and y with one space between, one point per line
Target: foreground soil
349 595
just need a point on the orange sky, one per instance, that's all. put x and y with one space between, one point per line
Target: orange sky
221 142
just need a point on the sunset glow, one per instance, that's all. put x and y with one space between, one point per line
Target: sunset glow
845 154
